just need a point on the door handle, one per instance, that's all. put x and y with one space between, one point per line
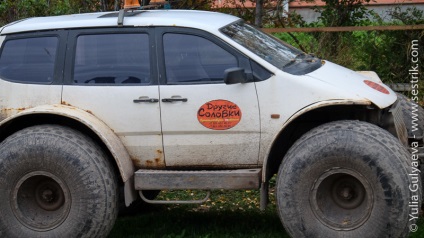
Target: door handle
174 100
150 100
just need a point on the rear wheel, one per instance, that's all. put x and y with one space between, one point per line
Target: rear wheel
346 179
55 183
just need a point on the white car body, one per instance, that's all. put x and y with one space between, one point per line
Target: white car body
169 135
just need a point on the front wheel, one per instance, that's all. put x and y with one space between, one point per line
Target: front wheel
413 116
347 179
55 183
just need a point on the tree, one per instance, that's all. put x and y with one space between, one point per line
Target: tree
12 10
258 13
343 12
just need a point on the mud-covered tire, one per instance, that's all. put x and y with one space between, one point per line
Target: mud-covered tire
55 182
412 113
346 179
413 116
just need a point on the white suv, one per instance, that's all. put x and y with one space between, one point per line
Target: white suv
155 100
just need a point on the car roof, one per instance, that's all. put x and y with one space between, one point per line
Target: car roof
182 18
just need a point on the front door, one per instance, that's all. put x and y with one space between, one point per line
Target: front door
205 123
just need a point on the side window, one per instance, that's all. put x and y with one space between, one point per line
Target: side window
29 60
112 59
194 59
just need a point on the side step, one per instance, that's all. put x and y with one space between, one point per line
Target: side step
203 179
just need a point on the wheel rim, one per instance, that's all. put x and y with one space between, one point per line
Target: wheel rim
41 201
341 199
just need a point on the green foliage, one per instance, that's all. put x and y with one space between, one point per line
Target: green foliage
273 12
12 10
343 12
411 16
420 232
239 9
386 52
192 4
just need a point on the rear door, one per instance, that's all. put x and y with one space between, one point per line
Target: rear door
205 123
30 70
109 73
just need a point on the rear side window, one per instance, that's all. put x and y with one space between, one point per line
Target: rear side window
29 60
112 59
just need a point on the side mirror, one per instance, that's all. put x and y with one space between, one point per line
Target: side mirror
235 75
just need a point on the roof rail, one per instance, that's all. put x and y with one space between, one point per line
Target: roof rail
121 17
128 5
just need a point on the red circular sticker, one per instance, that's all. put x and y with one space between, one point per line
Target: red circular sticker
219 115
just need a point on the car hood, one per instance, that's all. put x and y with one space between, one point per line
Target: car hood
353 82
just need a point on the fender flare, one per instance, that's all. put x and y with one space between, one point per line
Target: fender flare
304 110
104 132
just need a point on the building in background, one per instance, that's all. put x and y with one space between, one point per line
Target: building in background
382 7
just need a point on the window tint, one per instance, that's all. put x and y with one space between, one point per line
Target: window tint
112 59
29 60
193 59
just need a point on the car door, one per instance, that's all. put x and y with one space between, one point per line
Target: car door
109 74
205 123
30 71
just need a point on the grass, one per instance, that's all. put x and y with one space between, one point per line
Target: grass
182 223
226 214
420 232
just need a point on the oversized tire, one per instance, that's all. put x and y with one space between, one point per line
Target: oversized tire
55 182
347 179
412 113
413 116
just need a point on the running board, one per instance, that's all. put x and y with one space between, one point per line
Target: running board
202 179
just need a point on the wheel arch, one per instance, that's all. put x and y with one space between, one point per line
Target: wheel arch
311 117
85 122
325 162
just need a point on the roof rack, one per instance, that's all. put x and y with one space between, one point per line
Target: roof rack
128 5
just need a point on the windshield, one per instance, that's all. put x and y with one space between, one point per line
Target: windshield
276 52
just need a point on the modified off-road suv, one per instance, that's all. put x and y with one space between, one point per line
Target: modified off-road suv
94 104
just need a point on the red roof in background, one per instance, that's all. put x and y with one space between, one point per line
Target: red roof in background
298 3
232 4
301 4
